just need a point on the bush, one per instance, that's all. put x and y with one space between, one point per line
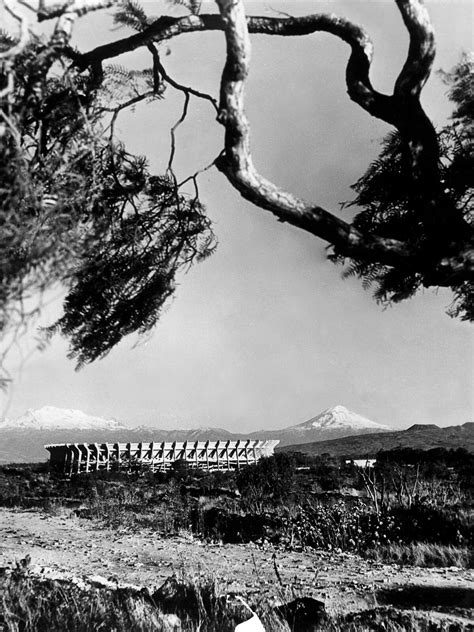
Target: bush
339 525
271 481
422 523
218 524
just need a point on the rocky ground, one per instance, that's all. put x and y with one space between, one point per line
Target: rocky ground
65 545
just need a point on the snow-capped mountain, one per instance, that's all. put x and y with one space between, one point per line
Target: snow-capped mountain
332 423
22 439
52 418
340 417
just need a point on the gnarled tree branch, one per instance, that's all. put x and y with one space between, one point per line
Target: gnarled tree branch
421 52
237 164
402 109
441 263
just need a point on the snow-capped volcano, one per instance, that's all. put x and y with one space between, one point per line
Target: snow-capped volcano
340 418
332 423
52 418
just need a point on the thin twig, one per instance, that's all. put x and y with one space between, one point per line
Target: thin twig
178 86
116 111
181 119
24 33
197 173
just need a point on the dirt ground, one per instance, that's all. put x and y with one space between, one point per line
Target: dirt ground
71 546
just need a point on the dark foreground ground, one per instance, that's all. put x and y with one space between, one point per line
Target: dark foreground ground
66 546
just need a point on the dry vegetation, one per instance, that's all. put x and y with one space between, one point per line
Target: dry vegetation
413 509
31 604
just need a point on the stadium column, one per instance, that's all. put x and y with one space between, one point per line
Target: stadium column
88 456
237 446
227 451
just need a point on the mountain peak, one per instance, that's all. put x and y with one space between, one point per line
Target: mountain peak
53 418
338 409
423 427
340 417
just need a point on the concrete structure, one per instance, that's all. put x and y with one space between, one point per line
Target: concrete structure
73 458
362 463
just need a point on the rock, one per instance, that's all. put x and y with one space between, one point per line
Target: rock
175 597
101 582
304 614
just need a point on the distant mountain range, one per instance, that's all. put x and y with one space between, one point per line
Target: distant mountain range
336 431
22 439
419 436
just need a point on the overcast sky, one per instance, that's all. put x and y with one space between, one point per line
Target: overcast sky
265 333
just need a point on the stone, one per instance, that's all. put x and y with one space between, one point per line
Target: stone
304 614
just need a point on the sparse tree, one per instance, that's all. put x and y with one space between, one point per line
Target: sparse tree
77 209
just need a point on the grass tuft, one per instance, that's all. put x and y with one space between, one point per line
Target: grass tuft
32 604
423 554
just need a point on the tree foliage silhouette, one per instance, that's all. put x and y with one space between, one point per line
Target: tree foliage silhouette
391 206
79 210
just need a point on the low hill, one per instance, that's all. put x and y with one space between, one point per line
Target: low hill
419 436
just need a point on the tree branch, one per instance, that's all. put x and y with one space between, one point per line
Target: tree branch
391 109
237 165
421 52
402 109
411 80
48 11
24 33
181 120
122 106
397 110
159 68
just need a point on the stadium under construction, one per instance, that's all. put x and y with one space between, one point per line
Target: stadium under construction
74 458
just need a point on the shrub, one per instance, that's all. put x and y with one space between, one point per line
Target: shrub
434 525
339 525
271 481
218 524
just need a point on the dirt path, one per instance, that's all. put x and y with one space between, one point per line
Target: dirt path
76 546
